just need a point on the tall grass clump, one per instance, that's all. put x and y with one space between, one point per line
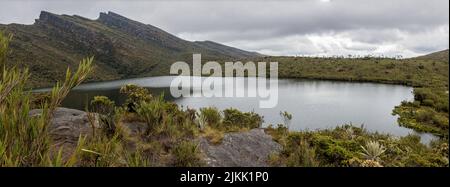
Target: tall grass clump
187 154
101 151
24 139
209 116
303 156
152 112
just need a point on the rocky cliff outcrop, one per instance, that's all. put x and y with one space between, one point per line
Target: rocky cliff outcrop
142 31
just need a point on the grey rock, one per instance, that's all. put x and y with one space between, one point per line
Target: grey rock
67 125
242 149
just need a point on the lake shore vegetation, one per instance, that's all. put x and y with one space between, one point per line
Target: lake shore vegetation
166 134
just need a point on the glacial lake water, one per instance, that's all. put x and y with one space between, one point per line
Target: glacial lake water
314 104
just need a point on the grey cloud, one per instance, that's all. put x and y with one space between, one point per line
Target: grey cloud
410 27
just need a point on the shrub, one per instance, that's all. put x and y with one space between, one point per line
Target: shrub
165 118
214 136
420 94
331 151
135 95
440 121
235 119
303 155
441 148
187 154
137 158
211 116
107 113
278 133
152 112
424 160
101 151
424 115
428 102
102 105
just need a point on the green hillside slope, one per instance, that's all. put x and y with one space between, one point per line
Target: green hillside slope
122 48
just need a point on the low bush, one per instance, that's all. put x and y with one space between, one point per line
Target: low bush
135 95
108 115
211 116
187 154
102 105
152 112
234 120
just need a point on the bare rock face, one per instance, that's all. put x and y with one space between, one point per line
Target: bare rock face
83 37
242 149
67 125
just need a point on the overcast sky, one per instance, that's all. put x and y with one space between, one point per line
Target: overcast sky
303 27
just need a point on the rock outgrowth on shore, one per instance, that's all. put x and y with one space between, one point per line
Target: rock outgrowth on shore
239 149
67 125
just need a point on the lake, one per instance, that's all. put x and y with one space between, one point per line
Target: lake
314 104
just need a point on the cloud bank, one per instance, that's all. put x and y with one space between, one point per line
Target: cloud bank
305 27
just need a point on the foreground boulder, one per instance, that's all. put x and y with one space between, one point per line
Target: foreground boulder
67 125
241 149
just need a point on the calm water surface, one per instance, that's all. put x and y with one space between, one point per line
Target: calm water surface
314 104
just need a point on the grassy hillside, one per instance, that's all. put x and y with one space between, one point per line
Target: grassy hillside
413 72
437 56
123 48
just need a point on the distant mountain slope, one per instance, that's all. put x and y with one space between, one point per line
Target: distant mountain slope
123 48
226 50
436 56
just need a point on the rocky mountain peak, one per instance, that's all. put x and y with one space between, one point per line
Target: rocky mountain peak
112 15
122 47
114 19
59 21
45 16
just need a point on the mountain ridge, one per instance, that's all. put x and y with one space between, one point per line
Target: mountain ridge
123 48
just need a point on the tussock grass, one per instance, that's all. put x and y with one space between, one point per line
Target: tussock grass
213 135
24 139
